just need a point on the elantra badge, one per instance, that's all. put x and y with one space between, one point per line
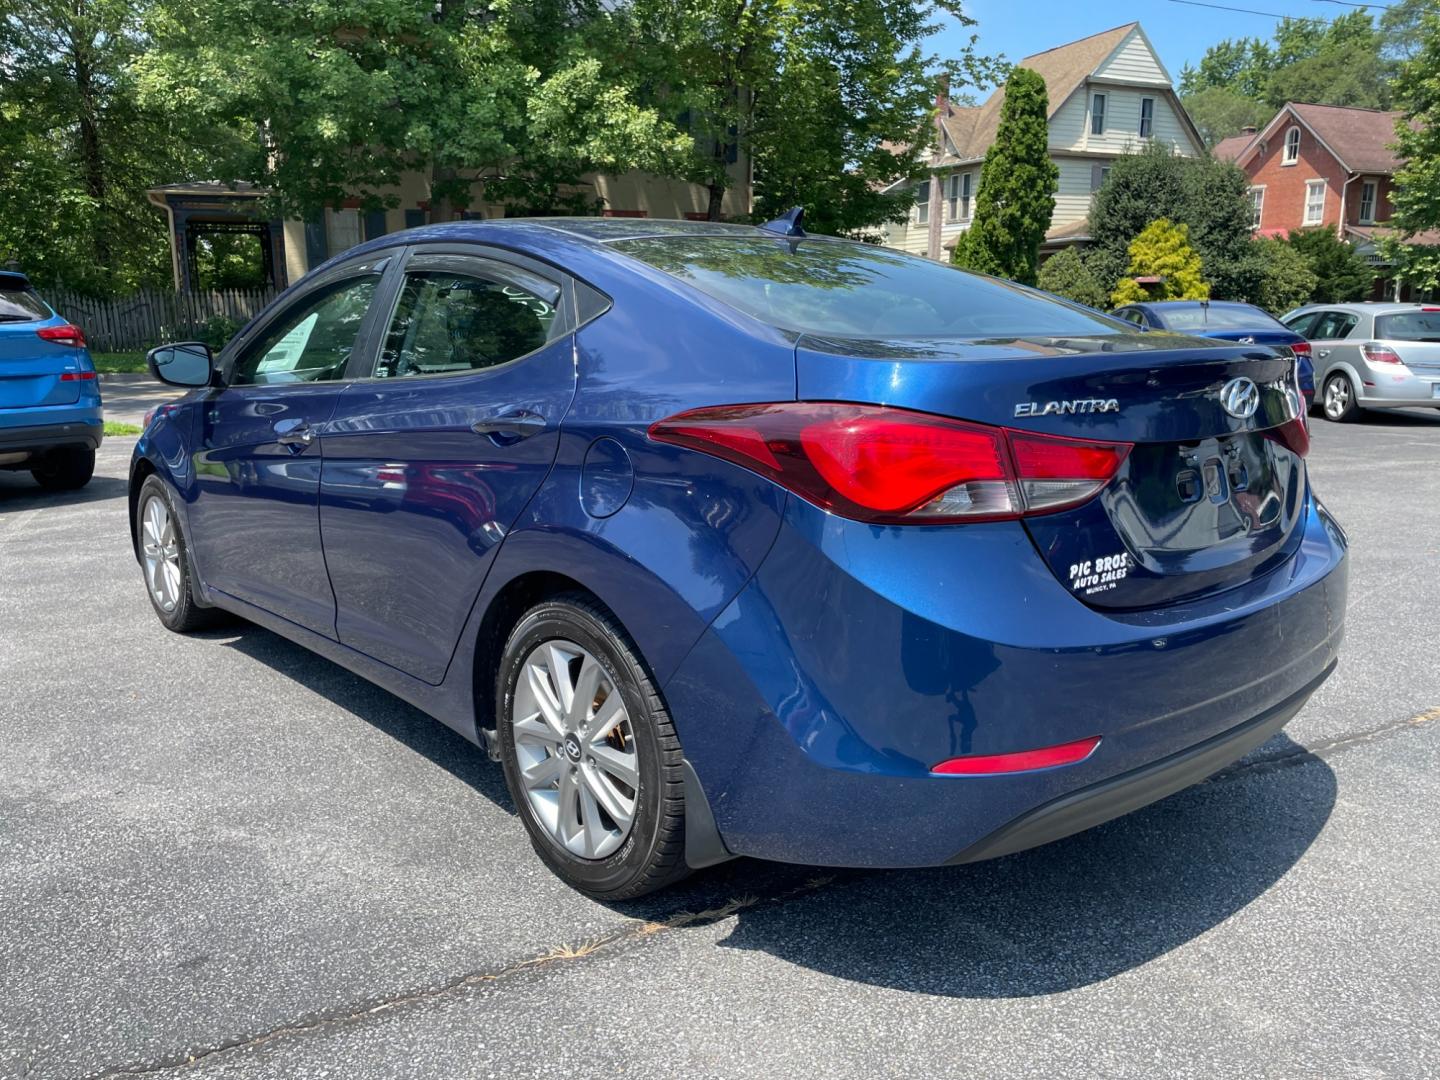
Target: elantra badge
1067 408
1240 398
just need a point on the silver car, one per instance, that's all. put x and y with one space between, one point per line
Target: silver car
1371 356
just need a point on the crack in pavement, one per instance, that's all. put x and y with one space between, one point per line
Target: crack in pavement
636 931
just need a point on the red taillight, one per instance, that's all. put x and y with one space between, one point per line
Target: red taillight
1301 348
1020 761
892 466
1293 435
65 334
1380 354
76 376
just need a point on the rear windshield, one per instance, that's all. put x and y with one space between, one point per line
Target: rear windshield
21 305
842 289
1218 318
1409 326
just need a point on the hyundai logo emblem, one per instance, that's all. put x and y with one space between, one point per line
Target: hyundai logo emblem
1240 398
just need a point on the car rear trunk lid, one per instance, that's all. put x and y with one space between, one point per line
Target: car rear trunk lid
1206 500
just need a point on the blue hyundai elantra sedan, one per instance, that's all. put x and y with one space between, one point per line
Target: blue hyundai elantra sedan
737 541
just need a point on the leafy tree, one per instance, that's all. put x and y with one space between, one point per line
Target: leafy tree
1286 280
1065 274
1207 196
1341 273
1402 32
522 97
826 99
1162 251
1017 187
78 148
1416 198
1327 61
1220 112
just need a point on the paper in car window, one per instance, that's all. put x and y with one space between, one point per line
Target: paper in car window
285 354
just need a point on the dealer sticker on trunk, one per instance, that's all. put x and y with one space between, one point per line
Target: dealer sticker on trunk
1099 575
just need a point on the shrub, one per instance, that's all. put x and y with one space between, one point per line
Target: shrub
1162 251
1065 274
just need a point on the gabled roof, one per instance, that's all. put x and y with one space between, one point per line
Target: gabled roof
1357 138
1064 70
1231 148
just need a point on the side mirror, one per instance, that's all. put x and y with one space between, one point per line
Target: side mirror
184 363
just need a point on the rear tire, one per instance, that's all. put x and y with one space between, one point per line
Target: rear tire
598 784
1338 399
165 562
67 469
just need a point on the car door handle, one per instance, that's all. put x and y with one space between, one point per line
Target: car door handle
510 426
295 434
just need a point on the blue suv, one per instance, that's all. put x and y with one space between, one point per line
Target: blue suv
50 416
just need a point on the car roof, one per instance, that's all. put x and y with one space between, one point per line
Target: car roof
14 279
1176 305
1368 307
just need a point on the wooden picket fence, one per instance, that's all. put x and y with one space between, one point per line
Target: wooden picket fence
145 319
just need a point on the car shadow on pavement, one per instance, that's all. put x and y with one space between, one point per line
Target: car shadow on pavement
1399 418
377 707
1059 917
19 492
1069 914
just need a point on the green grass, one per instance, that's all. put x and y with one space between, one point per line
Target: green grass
114 427
114 363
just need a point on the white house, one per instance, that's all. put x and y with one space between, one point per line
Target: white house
1109 95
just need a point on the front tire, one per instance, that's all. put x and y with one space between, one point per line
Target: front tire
1339 399
590 755
66 469
165 562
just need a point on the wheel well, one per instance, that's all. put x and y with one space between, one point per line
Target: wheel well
143 468
507 609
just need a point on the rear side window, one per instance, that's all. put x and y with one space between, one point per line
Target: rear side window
1334 325
1409 326
836 288
21 305
460 314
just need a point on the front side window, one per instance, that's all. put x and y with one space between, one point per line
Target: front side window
1257 206
1097 114
1292 147
837 288
1367 201
1302 324
460 314
922 202
1147 117
1314 202
312 341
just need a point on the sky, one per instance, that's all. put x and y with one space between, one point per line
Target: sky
1180 32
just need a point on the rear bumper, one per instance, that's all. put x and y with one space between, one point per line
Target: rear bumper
1385 391
857 658
86 432
1109 799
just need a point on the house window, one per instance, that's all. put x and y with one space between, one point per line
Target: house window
1314 202
1257 204
922 202
1147 117
344 230
1097 114
1367 202
960 189
1098 175
1292 147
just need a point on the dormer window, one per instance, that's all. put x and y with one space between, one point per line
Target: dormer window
1097 114
1292 147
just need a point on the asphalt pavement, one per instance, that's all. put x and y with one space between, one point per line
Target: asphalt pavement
222 856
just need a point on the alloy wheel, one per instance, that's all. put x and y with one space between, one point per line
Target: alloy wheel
161 551
1337 397
575 749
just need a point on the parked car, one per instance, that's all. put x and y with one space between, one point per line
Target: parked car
1372 356
50 414
1227 321
733 541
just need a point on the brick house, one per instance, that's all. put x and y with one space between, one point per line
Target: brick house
1322 166
1109 94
